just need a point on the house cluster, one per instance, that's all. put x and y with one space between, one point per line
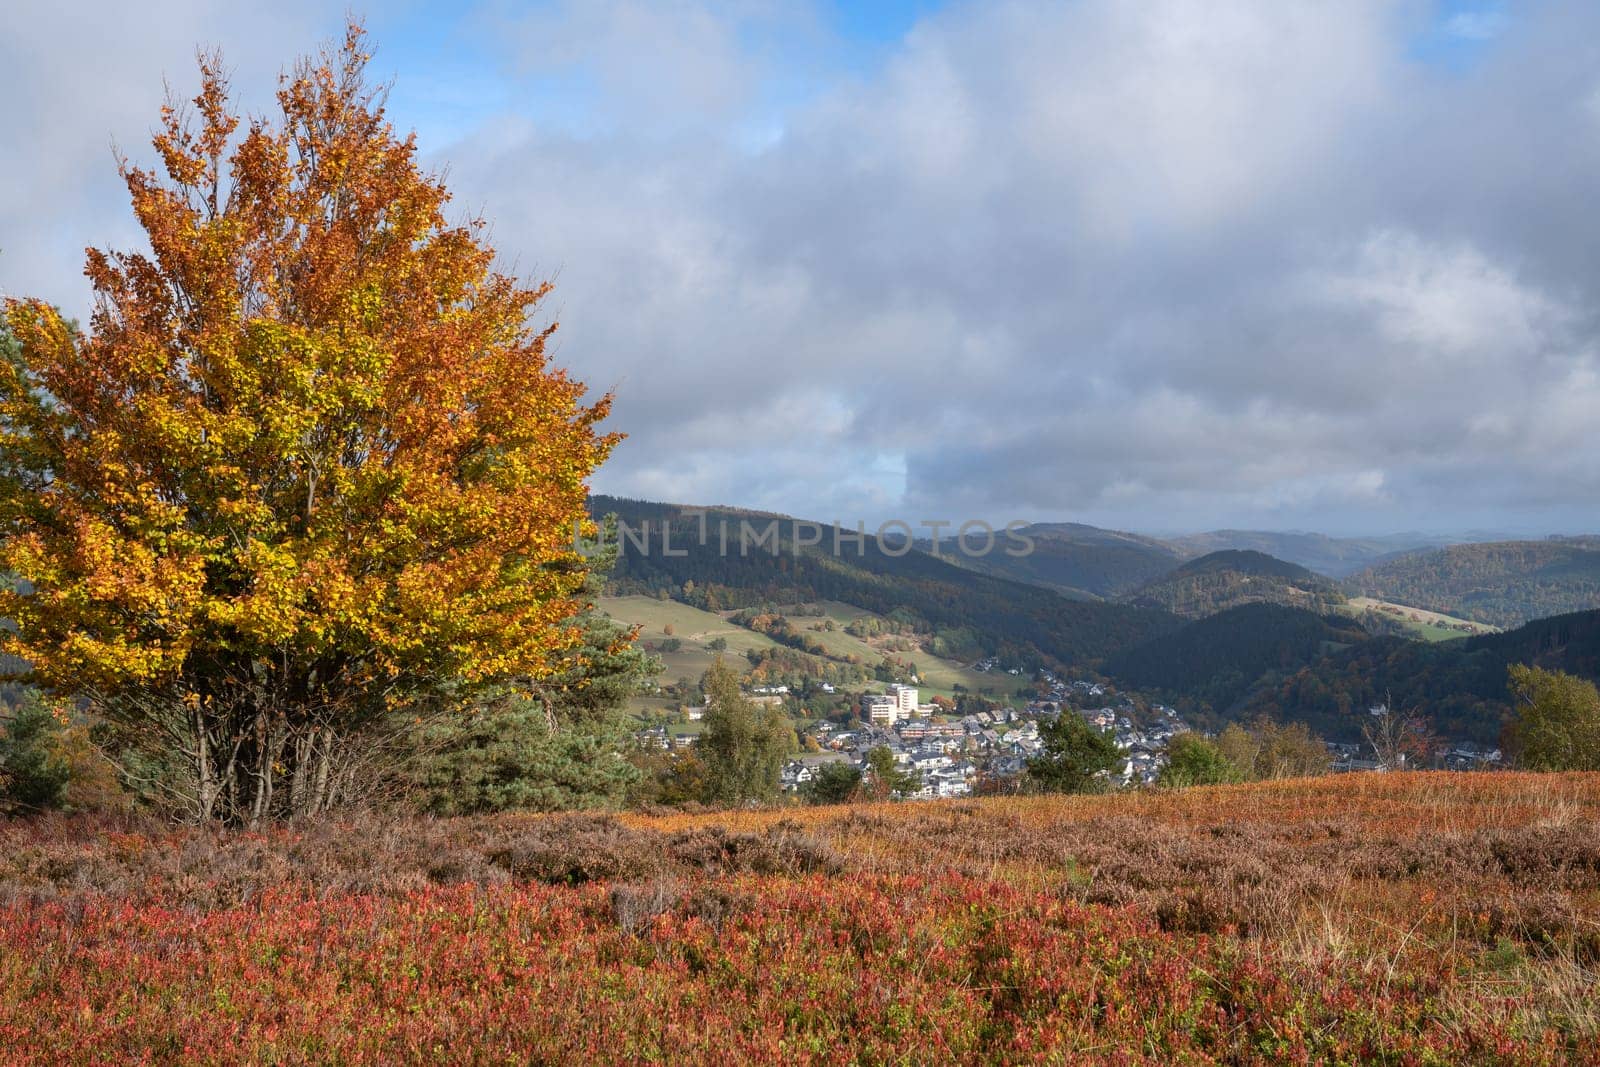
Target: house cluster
993 664
665 737
1470 757
949 753
1463 756
941 752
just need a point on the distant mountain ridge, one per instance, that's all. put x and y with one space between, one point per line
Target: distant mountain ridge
1460 686
1216 660
1089 562
1326 671
1504 583
1335 557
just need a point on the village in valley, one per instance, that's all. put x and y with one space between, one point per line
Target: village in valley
945 750
955 753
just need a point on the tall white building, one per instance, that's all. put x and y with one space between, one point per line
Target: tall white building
905 698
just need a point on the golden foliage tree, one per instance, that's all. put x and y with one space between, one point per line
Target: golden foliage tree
1557 723
308 466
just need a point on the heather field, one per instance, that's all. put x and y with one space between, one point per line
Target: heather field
1405 919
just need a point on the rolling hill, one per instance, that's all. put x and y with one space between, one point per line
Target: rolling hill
1384 617
1079 561
1459 686
1503 583
1233 577
722 558
1215 661
1086 561
687 639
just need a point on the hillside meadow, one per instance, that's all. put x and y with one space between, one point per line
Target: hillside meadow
1403 919
695 629
1424 624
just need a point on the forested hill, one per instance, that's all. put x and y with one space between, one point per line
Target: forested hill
1502 583
1233 577
1459 685
1211 664
1080 561
722 558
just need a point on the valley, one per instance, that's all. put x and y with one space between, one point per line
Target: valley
1225 636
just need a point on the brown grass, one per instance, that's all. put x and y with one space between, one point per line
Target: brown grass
1495 877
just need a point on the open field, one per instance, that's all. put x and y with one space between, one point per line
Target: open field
1404 919
1428 625
695 628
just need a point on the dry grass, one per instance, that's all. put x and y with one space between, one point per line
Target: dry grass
1484 887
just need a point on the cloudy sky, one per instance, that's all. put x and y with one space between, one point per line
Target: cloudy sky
1163 265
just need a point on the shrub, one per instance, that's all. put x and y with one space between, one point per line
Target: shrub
1193 760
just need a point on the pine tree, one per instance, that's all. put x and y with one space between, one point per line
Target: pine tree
1074 756
548 743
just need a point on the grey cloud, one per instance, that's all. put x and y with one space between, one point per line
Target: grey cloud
1163 264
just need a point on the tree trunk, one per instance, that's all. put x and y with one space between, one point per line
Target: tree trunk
205 770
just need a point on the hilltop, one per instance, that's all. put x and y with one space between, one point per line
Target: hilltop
828 642
1335 557
1234 577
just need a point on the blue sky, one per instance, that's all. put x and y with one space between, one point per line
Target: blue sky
1165 265
455 76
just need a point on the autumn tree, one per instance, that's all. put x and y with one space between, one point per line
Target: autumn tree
1557 723
308 467
1399 739
1268 751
